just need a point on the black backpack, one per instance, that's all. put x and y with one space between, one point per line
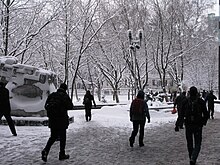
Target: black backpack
86 100
53 104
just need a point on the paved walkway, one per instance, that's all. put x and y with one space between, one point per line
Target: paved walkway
97 145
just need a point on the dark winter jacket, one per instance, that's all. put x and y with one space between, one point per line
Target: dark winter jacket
139 110
88 99
194 112
210 98
4 100
178 101
60 120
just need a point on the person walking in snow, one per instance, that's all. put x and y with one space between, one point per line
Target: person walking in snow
195 115
138 113
5 107
211 104
178 104
57 105
87 101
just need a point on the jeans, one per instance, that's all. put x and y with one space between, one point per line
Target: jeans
194 140
136 125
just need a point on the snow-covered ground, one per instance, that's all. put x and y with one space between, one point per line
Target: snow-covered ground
32 139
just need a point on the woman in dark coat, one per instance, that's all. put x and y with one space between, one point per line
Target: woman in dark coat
5 108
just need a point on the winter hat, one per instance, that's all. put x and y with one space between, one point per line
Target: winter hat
63 86
88 92
140 94
2 84
193 91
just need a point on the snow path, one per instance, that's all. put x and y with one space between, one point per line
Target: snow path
95 144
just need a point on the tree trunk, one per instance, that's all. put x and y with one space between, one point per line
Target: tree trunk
6 31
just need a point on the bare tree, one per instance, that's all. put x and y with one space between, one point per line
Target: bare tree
86 34
19 38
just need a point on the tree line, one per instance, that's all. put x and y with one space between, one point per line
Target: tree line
88 40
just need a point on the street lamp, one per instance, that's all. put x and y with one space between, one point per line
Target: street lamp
134 44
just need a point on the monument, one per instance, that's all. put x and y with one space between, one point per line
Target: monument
29 86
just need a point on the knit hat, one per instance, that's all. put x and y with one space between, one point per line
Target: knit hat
193 91
2 84
140 94
63 86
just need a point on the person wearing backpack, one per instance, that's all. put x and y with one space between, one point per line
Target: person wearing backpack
195 115
87 101
57 105
138 113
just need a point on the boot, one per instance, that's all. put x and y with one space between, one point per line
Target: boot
44 155
63 156
192 162
141 144
14 134
131 142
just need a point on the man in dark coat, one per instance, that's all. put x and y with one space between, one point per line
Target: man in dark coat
178 104
195 115
211 106
5 107
58 121
138 113
87 101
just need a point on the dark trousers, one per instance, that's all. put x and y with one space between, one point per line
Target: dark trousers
10 122
194 140
55 134
88 112
211 111
179 121
136 125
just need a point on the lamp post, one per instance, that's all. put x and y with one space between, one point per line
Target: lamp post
134 44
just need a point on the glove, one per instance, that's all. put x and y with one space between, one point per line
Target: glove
174 111
176 129
148 121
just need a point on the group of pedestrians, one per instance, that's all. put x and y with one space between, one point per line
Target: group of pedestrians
193 113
